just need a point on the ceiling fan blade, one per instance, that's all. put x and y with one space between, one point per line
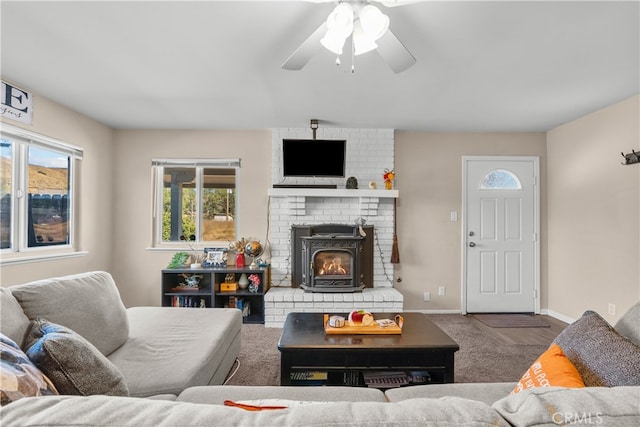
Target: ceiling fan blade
394 53
306 50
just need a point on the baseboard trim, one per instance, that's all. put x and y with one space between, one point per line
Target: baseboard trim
434 311
559 316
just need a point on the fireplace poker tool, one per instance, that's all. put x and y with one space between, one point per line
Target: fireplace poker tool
395 255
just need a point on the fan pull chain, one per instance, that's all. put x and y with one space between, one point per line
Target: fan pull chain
353 56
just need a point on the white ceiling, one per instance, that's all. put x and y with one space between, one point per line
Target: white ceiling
481 65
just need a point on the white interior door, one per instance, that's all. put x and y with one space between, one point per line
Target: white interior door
501 251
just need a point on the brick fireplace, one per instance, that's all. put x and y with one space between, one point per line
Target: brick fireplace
369 152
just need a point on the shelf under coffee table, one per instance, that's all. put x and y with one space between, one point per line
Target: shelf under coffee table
308 356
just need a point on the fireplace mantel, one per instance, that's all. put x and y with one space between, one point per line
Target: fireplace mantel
297 198
332 192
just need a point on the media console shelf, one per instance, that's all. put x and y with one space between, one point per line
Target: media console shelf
210 294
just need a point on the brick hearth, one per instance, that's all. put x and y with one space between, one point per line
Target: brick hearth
278 302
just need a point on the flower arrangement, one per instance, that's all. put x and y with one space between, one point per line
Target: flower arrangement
238 246
388 177
254 283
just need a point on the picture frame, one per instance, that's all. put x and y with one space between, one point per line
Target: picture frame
215 257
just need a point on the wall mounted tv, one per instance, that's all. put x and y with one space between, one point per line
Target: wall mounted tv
313 157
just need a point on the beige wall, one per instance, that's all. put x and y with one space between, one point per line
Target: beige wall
96 192
590 247
135 267
594 245
429 180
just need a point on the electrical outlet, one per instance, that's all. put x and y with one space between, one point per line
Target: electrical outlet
441 291
612 309
427 296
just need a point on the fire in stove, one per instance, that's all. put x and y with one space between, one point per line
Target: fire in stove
331 266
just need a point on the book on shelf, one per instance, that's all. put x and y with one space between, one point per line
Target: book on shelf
244 305
192 302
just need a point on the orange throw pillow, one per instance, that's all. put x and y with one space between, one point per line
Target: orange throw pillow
551 369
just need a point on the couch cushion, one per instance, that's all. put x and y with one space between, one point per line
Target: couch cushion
551 369
482 392
71 362
127 411
602 356
629 324
218 394
171 349
13 322
617 406
19 377
87 303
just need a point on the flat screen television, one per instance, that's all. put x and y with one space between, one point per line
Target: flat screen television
313 158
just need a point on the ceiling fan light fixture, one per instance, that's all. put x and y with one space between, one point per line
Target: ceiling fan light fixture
341 19
333 42
374 23
339 27
362 43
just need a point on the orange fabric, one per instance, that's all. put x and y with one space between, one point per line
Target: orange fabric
551 369
251 407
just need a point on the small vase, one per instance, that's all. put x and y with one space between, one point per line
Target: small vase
243 282
240 260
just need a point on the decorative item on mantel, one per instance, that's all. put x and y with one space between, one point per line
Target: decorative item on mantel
352 183
388 177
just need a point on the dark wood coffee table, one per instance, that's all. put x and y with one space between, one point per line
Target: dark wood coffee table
308 356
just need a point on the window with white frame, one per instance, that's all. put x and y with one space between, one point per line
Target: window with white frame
195 200
37 192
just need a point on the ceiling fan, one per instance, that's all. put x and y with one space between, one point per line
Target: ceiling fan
368 29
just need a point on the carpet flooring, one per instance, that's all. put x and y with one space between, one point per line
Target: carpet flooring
511 320
484 355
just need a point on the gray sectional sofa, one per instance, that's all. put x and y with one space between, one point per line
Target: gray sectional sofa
169 369
158 350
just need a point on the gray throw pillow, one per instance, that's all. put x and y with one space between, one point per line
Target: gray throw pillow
603 357
13 322
629 324
87 303
71 362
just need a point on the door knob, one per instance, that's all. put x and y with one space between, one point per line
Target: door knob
471 233
472 245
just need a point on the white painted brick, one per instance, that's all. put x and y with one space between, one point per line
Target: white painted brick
303 305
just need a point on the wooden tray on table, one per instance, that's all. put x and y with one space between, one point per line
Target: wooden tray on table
351 328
